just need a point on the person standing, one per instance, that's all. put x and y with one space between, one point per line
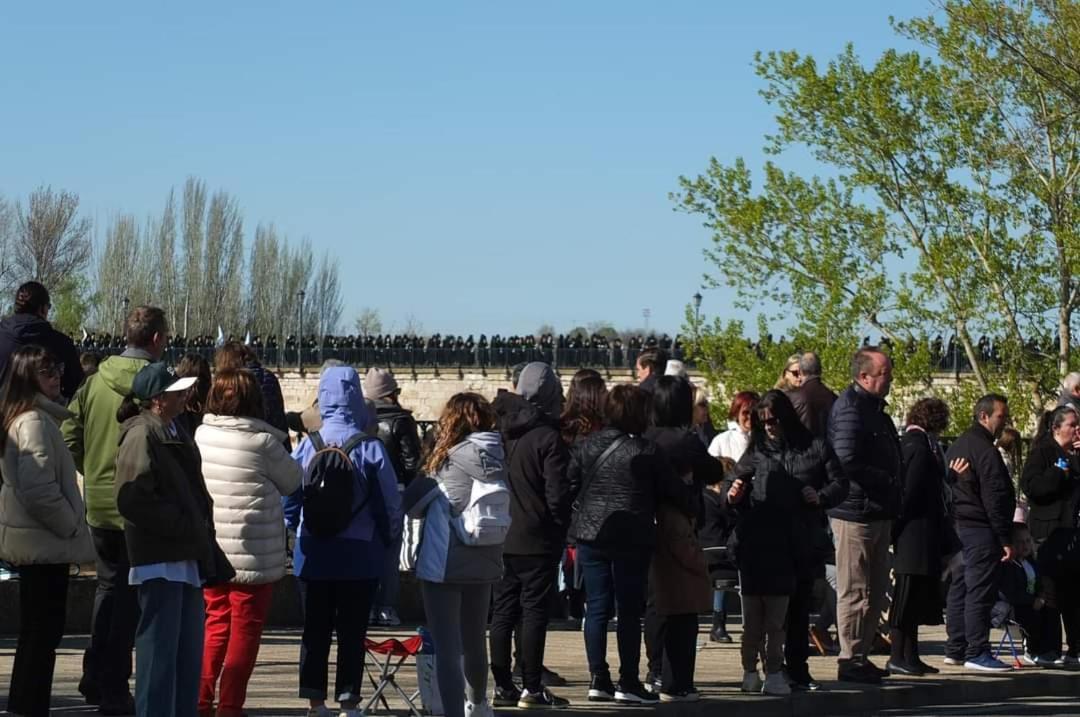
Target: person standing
812 399
619 478
1051 481
92 435
396 428
247 471
338 574
732 443
923 535
29 325
540 509
457 574
649 366
865 441
237 355
983 506
169 534
42 520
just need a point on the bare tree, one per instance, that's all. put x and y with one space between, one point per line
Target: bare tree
326 297
264 281
368 322
8 224
413 326
295 267
52 242
223 262
194 210
115 271
167 278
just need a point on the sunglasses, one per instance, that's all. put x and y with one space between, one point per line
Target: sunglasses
55 371
771 421
794 372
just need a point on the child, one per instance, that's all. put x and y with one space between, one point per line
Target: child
1019 587
714 535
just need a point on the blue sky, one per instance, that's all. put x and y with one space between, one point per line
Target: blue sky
483 166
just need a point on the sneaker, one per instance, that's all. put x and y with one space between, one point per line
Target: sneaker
548 678
986 663
601 689
775 684
927 669
320 711
388 617
653 684
542 700
479 709
634 695
751 682
506 697
690 695
1047 661
803 683
904 669
1028 659
1069 662
954 661
351 712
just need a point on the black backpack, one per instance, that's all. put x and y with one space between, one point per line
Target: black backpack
329 486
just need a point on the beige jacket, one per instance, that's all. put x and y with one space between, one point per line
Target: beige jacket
42 517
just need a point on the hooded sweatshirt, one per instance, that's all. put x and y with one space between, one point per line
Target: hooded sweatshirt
440 499
19 330
92 433
537 461
358 552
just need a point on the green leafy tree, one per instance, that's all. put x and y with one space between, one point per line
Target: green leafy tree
72 305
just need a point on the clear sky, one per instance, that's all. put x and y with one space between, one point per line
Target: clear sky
483 166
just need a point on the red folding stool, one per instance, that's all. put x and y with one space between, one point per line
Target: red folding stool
389 657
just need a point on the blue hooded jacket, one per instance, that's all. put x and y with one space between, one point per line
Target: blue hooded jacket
358 552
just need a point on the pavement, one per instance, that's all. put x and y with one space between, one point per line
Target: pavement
1028 691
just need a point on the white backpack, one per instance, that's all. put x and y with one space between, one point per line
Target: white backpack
486 518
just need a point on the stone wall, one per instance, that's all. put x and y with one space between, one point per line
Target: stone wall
426 392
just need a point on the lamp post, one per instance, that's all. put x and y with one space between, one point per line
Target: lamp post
300 333
124 317
645 314
697 307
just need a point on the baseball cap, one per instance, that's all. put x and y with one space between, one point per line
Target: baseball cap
156 378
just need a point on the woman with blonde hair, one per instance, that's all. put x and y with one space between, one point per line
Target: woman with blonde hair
459 560
791 376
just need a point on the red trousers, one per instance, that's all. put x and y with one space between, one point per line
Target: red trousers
234 623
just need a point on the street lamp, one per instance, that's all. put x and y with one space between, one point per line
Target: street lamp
123 318
697 306
300 334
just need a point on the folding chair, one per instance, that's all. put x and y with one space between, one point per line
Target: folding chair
1002 617
394 654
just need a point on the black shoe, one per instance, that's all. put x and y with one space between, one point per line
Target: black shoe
548 678
542 700
121 706
506 697
601 689
634 695
896 667
719 632
804 682
860 672
872 667
927 669
89 691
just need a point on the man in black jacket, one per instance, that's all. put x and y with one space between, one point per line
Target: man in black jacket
650 365
30 325
865 441
537 460
983 505
813 400
397 430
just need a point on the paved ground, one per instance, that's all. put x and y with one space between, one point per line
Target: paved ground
1029 692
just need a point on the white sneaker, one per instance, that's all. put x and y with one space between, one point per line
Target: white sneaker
479 709
354 712
954 661
388 617
751 682
775 684
1068 662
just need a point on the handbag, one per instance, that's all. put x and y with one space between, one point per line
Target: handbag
595 467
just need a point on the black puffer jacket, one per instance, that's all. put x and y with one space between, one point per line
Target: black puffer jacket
984 498
1053 493
19 330
688 456
537 460
397 431
866 443
811 464
617 509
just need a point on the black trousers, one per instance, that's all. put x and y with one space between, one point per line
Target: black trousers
680 652
42 609
341 606
972 594
523 596
797 635
107 660
1039 627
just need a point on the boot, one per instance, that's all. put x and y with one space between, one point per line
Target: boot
719 631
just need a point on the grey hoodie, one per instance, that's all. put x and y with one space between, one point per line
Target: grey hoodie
539 385
441 498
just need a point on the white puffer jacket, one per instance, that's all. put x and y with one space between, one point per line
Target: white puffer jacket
42 518
247 471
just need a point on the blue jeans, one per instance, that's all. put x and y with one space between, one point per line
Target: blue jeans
168 649
614 582
718 600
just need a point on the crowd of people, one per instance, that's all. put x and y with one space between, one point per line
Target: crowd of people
194 486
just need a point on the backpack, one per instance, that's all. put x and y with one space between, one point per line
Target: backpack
329 487
486 517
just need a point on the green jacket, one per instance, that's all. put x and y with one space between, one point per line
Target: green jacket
93 433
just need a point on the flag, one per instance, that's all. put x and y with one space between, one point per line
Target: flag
220 337
247 339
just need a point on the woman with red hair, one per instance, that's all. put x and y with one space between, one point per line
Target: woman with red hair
732 442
